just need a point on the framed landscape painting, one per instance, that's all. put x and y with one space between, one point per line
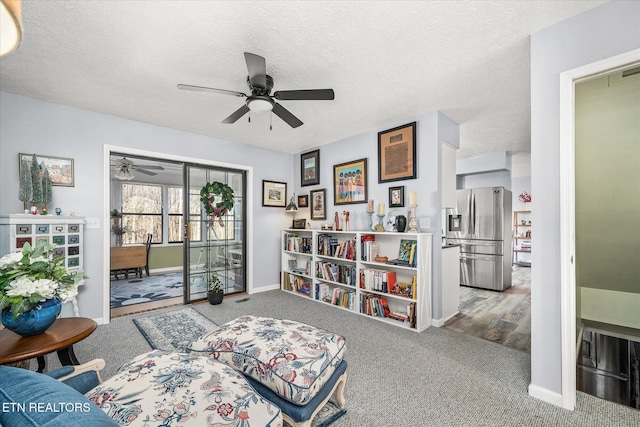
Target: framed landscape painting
60 168
350 182
274 193
310 168
397 153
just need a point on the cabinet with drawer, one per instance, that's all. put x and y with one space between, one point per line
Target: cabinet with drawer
64 231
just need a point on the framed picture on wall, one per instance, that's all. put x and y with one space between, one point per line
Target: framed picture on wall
396 197
60 168
350 182
318 204
274 193
397 153
310 168
303 201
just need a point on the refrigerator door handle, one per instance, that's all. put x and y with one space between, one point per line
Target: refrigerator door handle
473 213
469 218
483 258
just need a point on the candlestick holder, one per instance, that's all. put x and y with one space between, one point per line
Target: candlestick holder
370 218
413 224
379 226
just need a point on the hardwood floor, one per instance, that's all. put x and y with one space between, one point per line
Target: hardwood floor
501 317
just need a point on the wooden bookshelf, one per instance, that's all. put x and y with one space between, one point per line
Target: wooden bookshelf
522 238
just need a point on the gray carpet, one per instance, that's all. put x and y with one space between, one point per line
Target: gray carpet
396 377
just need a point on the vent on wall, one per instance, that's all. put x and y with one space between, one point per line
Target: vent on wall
625 76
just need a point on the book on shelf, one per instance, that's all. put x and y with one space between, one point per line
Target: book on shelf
404 252
293 264
365 246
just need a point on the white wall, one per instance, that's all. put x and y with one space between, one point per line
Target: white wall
429 129
599 33
33 126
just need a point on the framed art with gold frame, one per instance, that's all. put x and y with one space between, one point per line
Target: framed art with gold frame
397 153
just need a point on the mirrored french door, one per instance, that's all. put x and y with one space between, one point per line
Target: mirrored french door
213 248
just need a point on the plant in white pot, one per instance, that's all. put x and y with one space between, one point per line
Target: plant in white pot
215 293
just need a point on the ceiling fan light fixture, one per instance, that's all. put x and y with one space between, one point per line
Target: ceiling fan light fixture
260 105
10 26
124 175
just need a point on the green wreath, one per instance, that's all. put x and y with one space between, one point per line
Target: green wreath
208 198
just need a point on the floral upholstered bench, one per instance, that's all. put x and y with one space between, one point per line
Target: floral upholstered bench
296 366
162 388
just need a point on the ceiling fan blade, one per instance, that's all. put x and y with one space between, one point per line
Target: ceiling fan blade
149 167
285 115
146 172
210 89
257 67
305 95
236 115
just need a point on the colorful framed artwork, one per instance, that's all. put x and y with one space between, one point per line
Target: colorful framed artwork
318 204
397 153
310 168
274 194
396 197
60 168
350 182
303 201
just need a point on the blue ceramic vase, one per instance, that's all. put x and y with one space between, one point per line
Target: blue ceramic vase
33 322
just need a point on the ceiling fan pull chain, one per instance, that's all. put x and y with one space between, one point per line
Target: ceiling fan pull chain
249 116
270 121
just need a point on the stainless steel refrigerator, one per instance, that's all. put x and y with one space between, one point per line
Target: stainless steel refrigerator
481 225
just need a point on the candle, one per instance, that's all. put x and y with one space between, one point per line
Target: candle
370 206
381 209
412 198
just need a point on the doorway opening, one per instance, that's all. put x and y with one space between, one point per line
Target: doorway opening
158 229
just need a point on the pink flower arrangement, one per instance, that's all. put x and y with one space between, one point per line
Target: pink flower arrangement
524 197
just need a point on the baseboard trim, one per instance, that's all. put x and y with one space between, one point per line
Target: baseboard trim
545 395
440 322
165 270
265 288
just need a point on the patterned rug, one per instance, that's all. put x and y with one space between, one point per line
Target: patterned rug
152 288
174 330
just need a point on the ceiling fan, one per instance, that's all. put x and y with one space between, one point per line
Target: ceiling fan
261 100
124 167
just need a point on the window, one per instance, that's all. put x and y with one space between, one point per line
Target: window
176 220
142 212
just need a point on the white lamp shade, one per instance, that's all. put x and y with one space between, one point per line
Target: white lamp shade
260 105
10 26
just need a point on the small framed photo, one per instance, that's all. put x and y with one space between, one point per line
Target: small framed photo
310 168
299 224
318 204
350 182
303 201
60 168
274 194
397 153
396 197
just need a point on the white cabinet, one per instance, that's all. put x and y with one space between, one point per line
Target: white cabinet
450 281
65 231
336 268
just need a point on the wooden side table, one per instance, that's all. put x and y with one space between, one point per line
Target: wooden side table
60 338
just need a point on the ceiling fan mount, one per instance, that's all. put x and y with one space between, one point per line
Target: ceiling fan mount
261 100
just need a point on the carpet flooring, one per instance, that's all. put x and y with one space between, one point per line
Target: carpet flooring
397 377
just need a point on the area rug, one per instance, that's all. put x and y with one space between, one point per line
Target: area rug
327 415
175 330
137 290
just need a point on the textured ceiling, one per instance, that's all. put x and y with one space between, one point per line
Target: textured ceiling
387 62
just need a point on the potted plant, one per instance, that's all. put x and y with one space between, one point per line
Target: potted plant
33 285
215 293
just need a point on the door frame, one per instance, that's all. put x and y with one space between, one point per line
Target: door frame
106 236
567 212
